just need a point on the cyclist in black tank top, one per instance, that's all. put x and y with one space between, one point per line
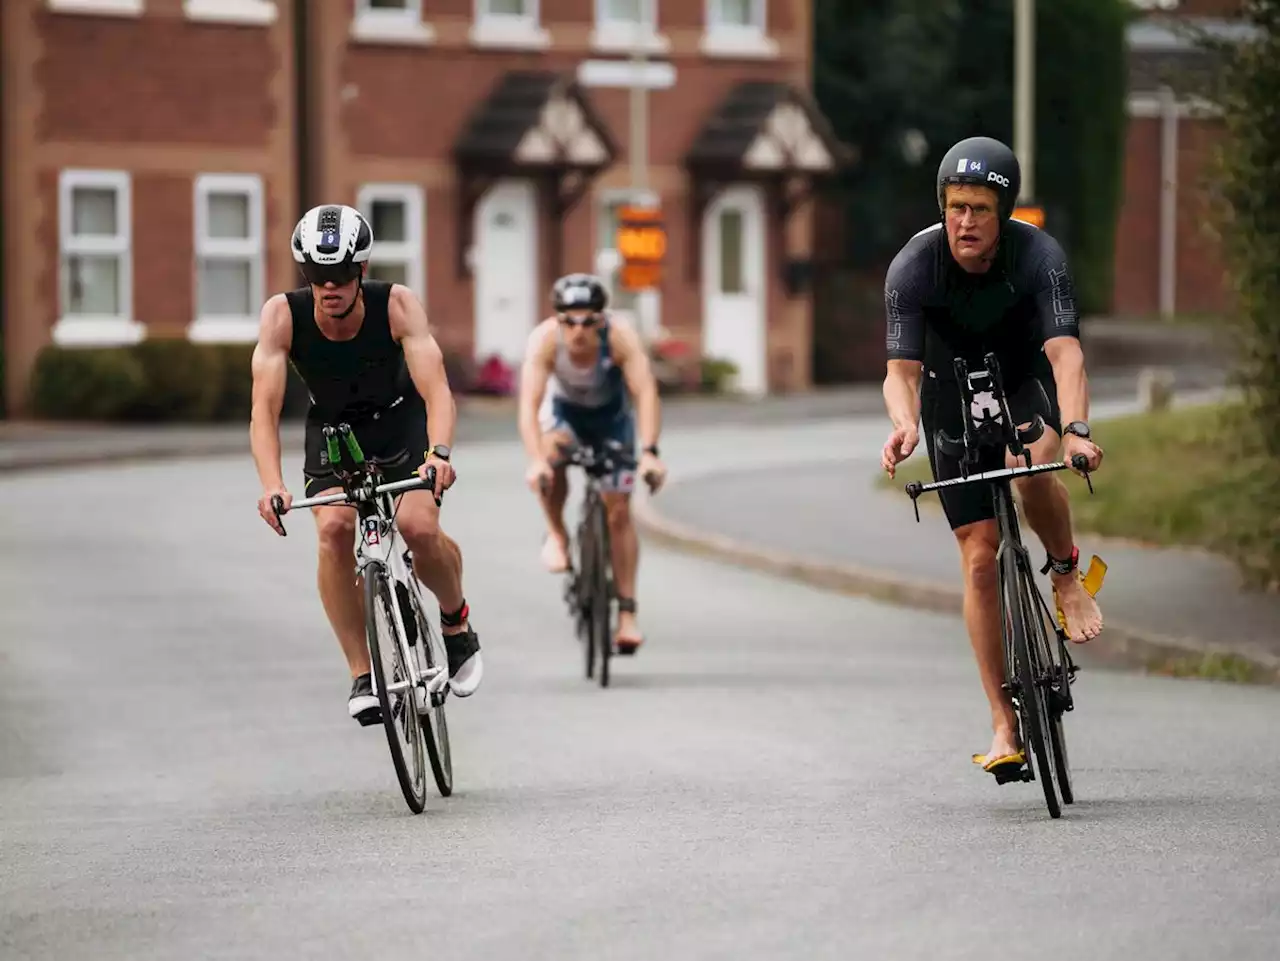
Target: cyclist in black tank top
366 354
981 282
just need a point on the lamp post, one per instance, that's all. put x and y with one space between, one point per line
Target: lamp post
1024 89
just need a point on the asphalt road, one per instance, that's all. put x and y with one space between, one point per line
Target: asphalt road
781 773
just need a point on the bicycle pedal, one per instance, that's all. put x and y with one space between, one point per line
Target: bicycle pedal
370 717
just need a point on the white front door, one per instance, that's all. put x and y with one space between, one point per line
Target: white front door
506 270
733 284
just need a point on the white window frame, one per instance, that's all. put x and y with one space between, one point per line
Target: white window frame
223 328
253 13
373 25
109 8
96 329
504 30
412 252
622 36
722 39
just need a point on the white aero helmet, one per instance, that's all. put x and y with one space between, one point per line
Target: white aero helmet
330 243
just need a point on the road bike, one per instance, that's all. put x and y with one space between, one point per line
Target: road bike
589 588
1038 673
410 664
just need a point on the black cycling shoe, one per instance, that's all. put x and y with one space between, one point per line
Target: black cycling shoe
363 703
465 665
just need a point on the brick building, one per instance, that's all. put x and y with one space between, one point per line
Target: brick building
1167 257
157 153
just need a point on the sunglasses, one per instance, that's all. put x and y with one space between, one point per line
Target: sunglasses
588 321
336 274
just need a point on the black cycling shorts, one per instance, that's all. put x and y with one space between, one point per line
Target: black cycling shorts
941 407
396 438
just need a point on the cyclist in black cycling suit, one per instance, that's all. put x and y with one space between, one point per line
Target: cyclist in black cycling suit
366 354
980 282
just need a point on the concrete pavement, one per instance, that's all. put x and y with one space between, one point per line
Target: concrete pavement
819 517
782 773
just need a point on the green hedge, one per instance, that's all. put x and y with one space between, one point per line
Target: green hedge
158 380
169 380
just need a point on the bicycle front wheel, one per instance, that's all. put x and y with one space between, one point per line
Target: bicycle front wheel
393 682
601 628
1032 701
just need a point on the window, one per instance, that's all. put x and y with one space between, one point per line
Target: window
391 21
229 256
115 8
508 23
736 28
622 25
95 213
396 214
731 251
259 13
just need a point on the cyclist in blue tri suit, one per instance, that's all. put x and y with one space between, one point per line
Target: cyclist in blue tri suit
975 283
595 366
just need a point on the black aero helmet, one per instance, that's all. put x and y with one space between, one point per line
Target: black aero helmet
579 292
983 162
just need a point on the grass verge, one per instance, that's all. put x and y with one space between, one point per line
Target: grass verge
1190 477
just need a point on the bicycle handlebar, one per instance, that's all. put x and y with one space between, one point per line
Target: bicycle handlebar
357 484
916 488
610 456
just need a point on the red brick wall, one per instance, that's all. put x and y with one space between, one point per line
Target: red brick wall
1200 285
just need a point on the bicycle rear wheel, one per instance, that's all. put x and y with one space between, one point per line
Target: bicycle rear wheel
432 720
391 670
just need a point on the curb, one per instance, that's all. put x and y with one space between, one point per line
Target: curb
1120 644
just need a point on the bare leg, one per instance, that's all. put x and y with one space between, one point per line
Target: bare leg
982 618
1047 508
340 592
555 552
625 550
437 559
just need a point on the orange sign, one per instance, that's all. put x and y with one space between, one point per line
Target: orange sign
640 276
642 237
1030 215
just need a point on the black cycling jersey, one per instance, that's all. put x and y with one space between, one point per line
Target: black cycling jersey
350 379
936 310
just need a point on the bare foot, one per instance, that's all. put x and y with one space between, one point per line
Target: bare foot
555 553
628 634
1084 618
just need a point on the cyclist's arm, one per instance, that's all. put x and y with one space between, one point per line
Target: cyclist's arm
425 361
904 340
270 369
533 386
1060 327
630 355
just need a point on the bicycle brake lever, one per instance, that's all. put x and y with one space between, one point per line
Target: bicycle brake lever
277 508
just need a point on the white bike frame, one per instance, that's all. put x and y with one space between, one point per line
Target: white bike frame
378 541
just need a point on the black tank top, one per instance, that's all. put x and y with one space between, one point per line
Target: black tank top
350 380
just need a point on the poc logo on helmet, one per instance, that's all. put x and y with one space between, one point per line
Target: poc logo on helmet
1002 181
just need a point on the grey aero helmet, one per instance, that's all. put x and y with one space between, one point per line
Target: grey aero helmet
579 292
982 162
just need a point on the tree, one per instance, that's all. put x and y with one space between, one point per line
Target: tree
893 73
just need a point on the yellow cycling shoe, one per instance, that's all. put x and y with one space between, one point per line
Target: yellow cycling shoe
1004 769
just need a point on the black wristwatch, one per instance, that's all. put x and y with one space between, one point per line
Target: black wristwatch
1079 428
652 449
440 451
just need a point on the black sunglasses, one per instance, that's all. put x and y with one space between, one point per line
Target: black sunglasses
336 274
589 321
